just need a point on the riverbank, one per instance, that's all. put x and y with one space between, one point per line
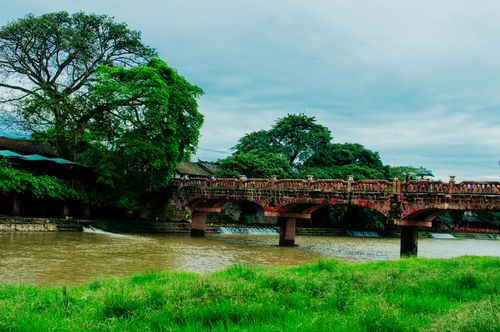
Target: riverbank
410 294
33 224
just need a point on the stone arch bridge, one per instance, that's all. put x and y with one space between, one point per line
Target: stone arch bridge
410 205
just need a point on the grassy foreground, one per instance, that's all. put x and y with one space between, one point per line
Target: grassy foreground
460 294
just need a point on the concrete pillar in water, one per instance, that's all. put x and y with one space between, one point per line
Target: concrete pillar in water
198 223
409 241
287 232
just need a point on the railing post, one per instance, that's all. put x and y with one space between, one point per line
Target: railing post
350 179
309 181
274 178
396 185
242 181
451 184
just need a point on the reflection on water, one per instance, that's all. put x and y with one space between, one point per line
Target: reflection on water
72 258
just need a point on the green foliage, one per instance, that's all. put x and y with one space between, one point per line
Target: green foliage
345 154
458 294
18 181
338 161
148 124
407 172
308 150
279 151
343 172
254 165
257 142
296 137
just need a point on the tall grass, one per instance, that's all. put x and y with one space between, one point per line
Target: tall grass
459 294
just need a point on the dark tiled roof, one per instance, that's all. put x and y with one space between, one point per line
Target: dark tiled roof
196 169
211 168
36 157
26 146
191 169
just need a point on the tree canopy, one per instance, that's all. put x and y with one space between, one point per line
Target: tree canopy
307 147
296 137
150 122
255 165
47 63
408 172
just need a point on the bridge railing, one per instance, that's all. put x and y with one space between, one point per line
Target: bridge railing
419 186
477 187
372 185
288 184
329 185
424 186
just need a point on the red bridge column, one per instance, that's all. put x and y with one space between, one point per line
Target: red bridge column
409 241
199 223
287 231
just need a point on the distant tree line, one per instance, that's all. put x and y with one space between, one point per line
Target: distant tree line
297 146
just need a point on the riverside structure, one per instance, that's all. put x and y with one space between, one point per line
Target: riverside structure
410 205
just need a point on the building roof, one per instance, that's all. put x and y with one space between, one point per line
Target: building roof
196 169
211 168
36 157
191 169
26 147
10 135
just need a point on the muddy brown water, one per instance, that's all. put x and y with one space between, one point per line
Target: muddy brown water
74 258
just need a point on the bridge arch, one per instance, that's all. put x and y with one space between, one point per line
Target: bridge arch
242 211
412 204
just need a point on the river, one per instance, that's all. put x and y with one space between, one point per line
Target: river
62 258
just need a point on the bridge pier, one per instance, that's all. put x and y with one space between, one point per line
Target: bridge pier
287 231
409 241
199 223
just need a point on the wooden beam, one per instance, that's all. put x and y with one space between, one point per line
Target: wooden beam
294 215
287 214
413 223
207 209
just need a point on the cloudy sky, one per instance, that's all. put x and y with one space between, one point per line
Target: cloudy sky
417 81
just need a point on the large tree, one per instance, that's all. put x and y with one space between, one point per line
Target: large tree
149 122
48 62
296 137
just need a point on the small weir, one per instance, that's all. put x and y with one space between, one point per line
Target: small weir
362 233
94 230
442 236
247 230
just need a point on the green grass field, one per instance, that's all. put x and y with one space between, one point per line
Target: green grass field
407 295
